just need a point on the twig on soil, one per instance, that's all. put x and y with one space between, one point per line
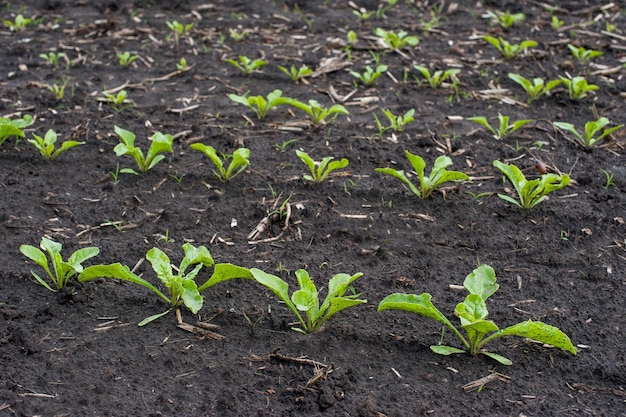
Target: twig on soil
200 329
481 382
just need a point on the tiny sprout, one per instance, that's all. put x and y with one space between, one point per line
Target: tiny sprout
505 19
125 58
18 24
582 54
54 58
182 64
556 23
247 65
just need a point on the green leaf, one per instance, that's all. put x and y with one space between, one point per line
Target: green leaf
418 304
472 310
118 271
224 272
191 296
446 350
499 358
402 177
193 255
538 331
482 281
161 264
35 255
279 287
42 282
152 318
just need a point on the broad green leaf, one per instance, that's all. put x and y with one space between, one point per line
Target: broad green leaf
160 263
35 255
402 177
210 152
224 272
336 305
482 281
446 350
127 137
333 166
476 333
418 304
538 331
68 144
118 271
81 255
191 296
279 287
304 300
472 310
193 255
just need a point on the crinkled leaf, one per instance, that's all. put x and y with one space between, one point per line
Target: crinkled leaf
161 264
193 255
539 331
482 281
472 310
191 296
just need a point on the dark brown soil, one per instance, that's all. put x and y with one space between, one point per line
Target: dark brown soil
80 352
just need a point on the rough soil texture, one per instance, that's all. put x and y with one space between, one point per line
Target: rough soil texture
80 352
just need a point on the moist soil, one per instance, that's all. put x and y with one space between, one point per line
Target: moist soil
80 351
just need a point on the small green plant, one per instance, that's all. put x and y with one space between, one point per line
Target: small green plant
306 299
508 50
608 176
238 35
318 114
159 144
383 9
282 147
396 123
396 41
239 160
556 23
481 284
14 127
115 175
505 19
504 129
247 65
182 65
438 175
582 54
125 58
530 193
369 76
320 169
577 87
116 101
181 286
363 14
19 23
54 58
259 104
296 73
593 133
58 88
179 29
535 89
63 270
438 77
45 145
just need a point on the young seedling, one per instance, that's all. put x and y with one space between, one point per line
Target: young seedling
63 270
116 101
396 123
247 65
396 41
438 77
238 35
508 50
239 160
479 331
182 64
382 10
589 137
582 54
556 23
577 87
530 193
318 113
296 74
54 58
181 287
18 24
505 19
536 88
14 127
306 299
438 175
608 177
58 88
504 129
179 29
45 145
159 144
320 169
369 76
125 58
258 104
362 13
